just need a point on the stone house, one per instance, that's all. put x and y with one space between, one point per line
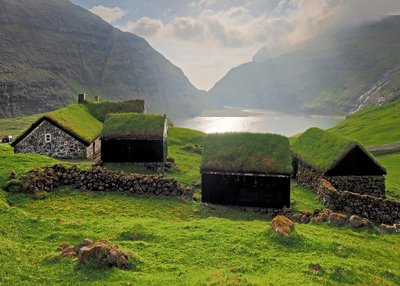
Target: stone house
246 169
74 131
346 164
67 133
135 138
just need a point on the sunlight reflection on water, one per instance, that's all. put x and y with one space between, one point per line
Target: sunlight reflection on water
265 121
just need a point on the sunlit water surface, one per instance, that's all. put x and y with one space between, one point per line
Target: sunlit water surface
263 121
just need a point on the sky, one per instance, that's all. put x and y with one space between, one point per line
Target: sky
207 38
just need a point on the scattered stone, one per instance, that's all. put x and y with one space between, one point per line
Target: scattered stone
104 254
338 219
101 253
282 226
85 242
356 221
384 228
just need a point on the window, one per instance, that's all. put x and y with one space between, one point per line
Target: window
47 138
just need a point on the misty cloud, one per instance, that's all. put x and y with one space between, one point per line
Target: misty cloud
109 14
232 32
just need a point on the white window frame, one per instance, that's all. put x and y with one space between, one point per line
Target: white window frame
47 137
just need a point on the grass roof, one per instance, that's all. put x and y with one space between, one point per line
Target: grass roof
77 119
101 109
246 152
134 125
323 149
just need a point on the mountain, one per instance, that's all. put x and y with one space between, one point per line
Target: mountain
52 49
336 73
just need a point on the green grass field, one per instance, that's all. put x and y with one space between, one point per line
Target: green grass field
181 242
373 126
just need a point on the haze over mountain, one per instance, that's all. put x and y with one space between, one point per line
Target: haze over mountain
335 73
52 49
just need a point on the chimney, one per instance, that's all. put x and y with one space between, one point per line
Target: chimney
81 98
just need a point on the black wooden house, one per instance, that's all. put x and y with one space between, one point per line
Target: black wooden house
134 137
246 169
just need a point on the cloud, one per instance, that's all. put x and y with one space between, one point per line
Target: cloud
214 36
109 14
146 27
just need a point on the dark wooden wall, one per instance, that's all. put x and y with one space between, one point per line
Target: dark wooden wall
255 191
136 151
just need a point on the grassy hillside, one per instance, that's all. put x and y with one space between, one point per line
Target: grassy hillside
373 126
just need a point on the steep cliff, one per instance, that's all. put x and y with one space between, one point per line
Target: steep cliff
52 49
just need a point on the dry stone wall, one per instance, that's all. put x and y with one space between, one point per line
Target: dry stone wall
376 209
99 179
62 145
364 185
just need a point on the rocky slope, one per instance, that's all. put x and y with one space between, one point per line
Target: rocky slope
52 49
333 74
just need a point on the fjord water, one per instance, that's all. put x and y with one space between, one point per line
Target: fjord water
256 120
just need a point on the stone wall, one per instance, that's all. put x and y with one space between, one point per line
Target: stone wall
62 145
99 179
365 185
94 149
377 209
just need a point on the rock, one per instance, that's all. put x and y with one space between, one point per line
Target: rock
282 226
85 242
384 228
367 224
104 254
338 219
356 221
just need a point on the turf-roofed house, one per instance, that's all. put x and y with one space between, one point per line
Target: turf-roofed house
135 138
246 169
70 132
345 163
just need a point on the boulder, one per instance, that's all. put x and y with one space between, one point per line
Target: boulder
338 219
356 221
104 254
282 226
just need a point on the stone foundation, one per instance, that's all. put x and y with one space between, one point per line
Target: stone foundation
98 179
376 209
364 185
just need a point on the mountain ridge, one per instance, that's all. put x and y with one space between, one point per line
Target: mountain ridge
52 50
327 75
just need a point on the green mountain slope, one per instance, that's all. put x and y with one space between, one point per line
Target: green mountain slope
327 75
52 49
373 126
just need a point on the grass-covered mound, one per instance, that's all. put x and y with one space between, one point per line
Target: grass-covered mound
323 149
134 125
100 110
247 152
373 126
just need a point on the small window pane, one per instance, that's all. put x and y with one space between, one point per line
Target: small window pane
47 138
